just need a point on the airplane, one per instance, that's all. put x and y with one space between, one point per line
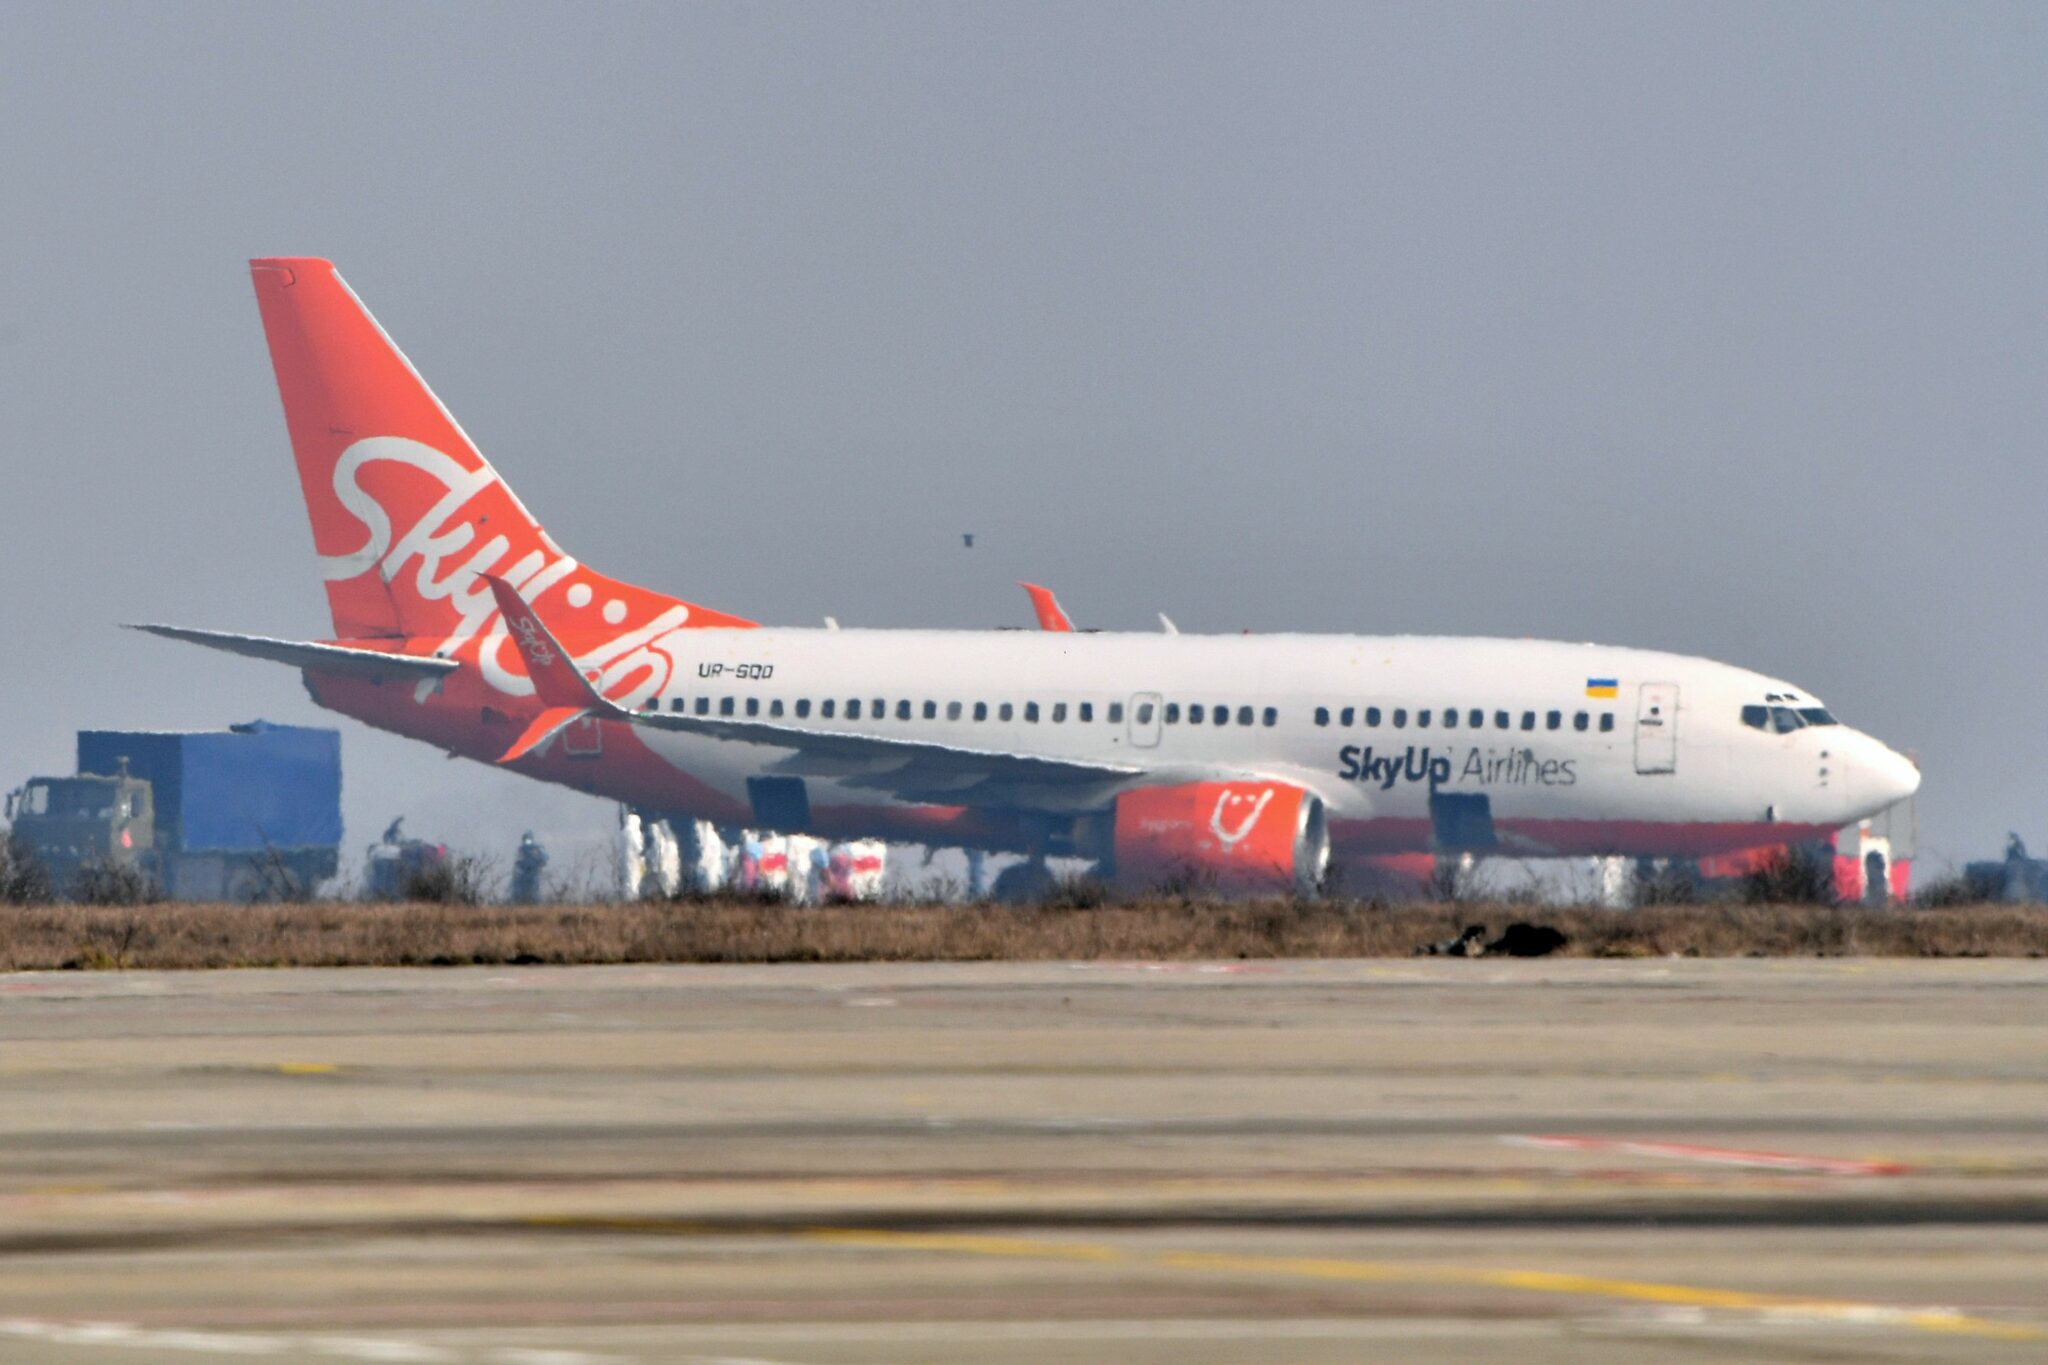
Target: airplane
1247 761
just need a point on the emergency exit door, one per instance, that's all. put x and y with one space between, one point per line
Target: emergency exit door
1657 728
1145 720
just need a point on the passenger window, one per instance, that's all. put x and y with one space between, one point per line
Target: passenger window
1606 721
1450 718
1222 715
952 710
1400 718
1553 720
725 706
981 710
1144 713
1580 720
903 710
881 711
803 708
1087 712
1244 715
775 707
753 706
1005 711
1345 716
1372 716
1322 715
1059 712
1272 716
825 708
1502 720
1476 718
703 706
1195 714
1528 720
1422 719
1173 713
1031 712
1116 713
675 703
853 708
931 710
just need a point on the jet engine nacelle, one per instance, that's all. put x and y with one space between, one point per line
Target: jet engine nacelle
1266 836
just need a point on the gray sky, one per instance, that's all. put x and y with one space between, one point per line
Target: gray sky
1716 329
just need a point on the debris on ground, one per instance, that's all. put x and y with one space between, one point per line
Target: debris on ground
1520 939
1471 942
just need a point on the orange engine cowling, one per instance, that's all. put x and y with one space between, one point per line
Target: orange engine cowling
1263 836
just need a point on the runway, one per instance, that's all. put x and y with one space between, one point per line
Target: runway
1283 1161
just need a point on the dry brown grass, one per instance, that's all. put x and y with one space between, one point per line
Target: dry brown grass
334 935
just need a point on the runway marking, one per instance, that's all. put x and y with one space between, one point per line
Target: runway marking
1178 967
1782 1306
1718 1156
307 1068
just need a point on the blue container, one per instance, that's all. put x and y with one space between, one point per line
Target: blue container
239 790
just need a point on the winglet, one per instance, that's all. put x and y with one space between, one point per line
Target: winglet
556 679
1050 617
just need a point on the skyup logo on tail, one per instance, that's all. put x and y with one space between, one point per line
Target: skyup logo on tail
407 513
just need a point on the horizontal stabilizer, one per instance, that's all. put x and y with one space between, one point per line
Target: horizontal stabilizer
328 658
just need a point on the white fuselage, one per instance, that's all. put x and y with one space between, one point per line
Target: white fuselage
1375 726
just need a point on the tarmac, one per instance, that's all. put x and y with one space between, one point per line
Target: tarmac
1145 1162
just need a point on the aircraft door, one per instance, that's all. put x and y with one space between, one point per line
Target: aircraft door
1657 728
584 738
1145 720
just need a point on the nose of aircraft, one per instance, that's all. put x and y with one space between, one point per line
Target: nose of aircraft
1880 775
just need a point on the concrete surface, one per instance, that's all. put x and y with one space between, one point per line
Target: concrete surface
1294 1161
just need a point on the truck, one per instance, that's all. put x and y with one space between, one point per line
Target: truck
252 812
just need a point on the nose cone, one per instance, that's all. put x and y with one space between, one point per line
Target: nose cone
1879 775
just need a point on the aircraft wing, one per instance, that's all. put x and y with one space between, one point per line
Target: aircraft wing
908 769
346 659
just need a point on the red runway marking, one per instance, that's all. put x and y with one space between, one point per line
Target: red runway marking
1720 1156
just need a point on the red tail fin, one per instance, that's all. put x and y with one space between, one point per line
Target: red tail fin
406 511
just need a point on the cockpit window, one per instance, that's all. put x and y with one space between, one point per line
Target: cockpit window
1783 720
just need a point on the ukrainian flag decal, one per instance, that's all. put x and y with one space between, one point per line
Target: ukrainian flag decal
1603 687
